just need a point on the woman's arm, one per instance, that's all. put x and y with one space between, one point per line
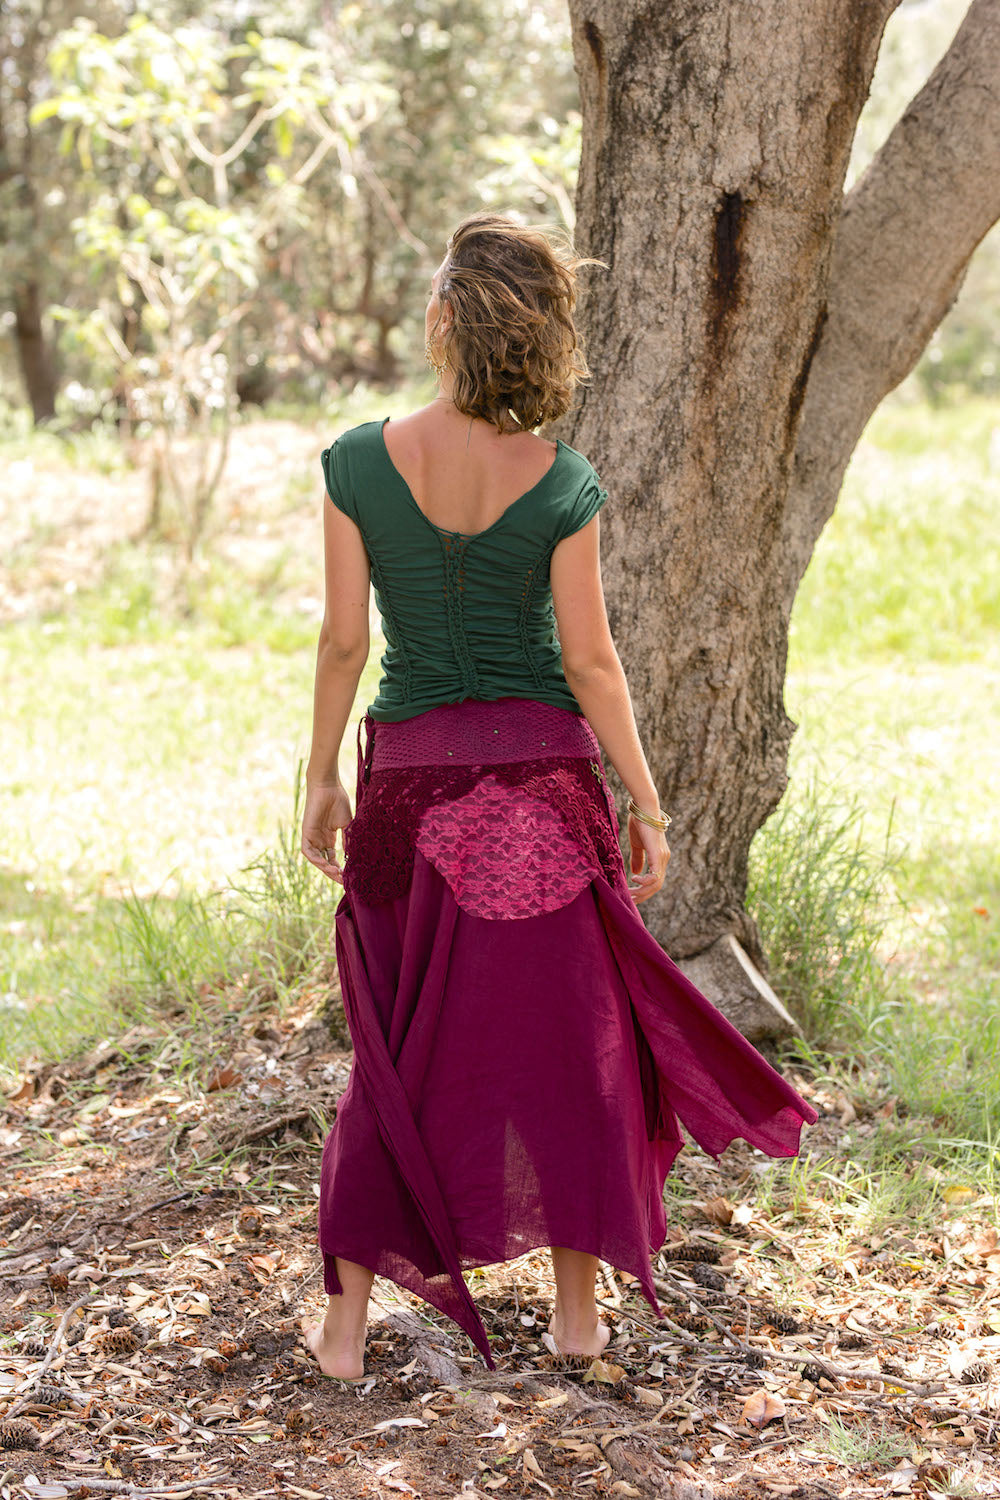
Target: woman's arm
597 680
340 659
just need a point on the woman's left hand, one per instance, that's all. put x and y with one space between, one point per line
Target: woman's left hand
327 814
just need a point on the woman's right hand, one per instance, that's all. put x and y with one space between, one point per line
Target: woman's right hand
648 846
327 813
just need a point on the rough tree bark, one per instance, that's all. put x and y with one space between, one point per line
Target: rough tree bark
904 241
749 323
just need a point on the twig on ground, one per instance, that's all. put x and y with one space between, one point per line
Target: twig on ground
13 1261
150 1208
688 1339
646 1465
268 1127
10 1262
678 1296
612 1285
145 1491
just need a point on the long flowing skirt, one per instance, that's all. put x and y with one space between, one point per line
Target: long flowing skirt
523 1048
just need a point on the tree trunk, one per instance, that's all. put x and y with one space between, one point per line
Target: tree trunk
22 40
905 237
716 138
37 368
749 323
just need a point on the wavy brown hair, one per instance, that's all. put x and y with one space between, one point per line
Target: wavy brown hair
512 345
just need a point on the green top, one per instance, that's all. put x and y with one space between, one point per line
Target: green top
463 616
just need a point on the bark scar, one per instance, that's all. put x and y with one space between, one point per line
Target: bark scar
798 391
727 264
592 36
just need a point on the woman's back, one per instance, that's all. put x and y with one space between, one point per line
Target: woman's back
464 474
466 608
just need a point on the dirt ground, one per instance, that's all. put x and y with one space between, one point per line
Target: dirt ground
157 1251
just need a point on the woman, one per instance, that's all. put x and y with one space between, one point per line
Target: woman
522 1047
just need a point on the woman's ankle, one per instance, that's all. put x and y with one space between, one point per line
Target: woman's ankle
583 1319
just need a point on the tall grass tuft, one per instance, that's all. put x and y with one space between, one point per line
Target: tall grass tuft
823 901
288 909
169 949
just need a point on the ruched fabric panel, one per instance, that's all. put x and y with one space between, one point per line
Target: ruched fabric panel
463 616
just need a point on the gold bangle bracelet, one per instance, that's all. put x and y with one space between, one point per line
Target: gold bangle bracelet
660 822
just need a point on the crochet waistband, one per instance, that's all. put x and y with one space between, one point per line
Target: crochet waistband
476 732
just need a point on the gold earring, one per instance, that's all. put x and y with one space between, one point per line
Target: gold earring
437 366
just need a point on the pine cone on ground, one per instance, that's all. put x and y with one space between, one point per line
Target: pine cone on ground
117 1341
250 1220
705 1276
50 1395
708 1254
571 1362
18 1435
36 1348
693 1322
977 1372
299 1419
128 1409
782 1321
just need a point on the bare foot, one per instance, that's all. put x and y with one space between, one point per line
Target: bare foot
578 1340
344 1361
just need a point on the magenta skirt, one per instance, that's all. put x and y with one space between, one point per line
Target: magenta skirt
523 1048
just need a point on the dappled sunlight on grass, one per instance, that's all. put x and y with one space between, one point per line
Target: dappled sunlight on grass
921 746
135 767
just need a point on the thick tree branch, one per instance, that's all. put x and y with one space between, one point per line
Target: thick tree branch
906 235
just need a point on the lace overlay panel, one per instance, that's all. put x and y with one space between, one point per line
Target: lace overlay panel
504 854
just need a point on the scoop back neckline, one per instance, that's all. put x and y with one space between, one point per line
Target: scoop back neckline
467 536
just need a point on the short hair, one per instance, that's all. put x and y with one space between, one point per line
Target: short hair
512 345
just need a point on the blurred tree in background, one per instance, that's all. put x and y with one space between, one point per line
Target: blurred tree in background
166 128
400 118
38 197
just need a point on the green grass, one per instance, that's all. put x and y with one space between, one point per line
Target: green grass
141 599
903 567
191 965
860 1444
876 882
154 720
824 900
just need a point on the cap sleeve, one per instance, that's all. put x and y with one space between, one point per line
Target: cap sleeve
336 481
584 505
